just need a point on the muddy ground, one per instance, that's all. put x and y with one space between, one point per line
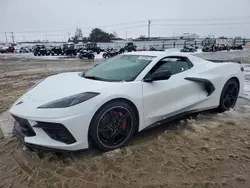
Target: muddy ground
208 150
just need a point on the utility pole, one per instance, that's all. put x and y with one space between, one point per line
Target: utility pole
46 37
6 38
12 36
69 35
126 35
149 23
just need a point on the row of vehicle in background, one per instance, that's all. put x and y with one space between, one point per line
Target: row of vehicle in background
221 47
65 49
9 49
15 49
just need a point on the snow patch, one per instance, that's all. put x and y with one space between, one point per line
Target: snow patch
246 91
99 56
6 123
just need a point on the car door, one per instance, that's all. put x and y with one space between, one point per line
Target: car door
166 98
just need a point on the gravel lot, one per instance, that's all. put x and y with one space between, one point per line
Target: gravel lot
208 150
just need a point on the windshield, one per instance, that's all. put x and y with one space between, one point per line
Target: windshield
120 68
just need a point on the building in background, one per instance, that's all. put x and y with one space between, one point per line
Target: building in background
189 36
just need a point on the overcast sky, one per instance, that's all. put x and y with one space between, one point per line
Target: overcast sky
35 18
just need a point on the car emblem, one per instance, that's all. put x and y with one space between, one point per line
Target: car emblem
19 102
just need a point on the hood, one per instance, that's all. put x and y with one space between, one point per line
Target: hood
63 85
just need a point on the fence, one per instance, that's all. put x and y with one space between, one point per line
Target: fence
166 44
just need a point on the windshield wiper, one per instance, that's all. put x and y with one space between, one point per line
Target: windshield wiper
93 77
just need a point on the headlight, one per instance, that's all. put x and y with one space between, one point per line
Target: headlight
70 101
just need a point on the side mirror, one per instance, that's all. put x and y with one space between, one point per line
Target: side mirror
160 75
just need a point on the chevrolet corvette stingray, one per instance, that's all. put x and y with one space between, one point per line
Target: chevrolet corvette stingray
121 96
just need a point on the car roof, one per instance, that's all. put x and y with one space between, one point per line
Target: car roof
158 53
161 54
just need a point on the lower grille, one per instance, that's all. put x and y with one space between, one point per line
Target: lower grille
24 126
57 132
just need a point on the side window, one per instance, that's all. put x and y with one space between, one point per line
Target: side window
173 64
183 65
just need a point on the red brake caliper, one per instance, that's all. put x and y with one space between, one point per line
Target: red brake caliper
124 123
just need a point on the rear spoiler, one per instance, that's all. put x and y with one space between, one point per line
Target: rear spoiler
223 61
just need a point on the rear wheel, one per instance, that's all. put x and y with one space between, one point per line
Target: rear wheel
229 95
113 125
92 56
81 56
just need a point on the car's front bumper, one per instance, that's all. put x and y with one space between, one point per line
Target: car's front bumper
33 135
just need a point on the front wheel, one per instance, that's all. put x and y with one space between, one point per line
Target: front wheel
92 56
229 95
113 125
81 56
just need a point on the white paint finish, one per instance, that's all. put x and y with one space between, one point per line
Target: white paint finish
168 96
154 101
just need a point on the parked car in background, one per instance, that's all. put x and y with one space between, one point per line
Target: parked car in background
23 50
69 49
56 50
237 47
40 50
189 49
86 54
10 49
2 50
92 46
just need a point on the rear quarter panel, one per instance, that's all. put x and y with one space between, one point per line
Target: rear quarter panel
219 74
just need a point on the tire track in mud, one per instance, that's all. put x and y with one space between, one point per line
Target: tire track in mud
211 150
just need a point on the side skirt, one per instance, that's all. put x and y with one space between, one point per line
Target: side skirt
174 117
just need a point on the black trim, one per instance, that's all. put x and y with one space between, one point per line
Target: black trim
171 118
57 132
47 149
156 66
23 127
17 132
208 85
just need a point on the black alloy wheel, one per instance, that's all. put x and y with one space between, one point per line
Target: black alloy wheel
229 95
113 125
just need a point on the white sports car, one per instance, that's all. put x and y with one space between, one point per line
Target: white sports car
126 94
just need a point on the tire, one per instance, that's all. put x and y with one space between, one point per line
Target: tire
227 102
92 56
104 114
81 56
104 56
